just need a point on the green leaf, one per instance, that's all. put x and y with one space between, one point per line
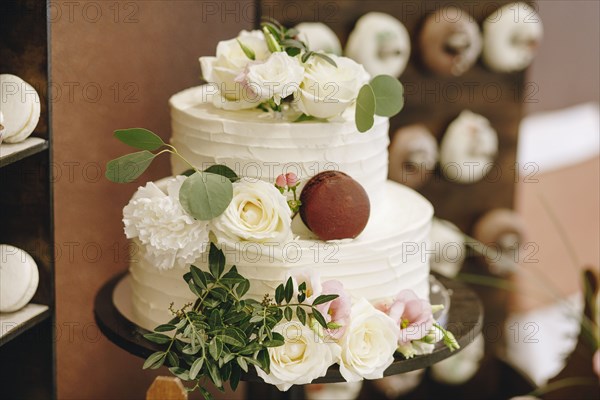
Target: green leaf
198 277
205 195
306 56
279 294
234 379
172 359
213 371
215 348
389 95
224 171
191 349
324 298
164 328
215 320
303 117
205 393
289 290
234 336
263 358
155 360
188 172
216 261
242 363
196 367
242 288
195 289
365 108
181 373
288 313
319 317
273 343
272 43
129 167
139 138
247 50
301 314
157 338
326 58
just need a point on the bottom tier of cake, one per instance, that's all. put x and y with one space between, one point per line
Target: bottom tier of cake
390 255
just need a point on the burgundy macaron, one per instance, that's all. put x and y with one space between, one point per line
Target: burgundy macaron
334 206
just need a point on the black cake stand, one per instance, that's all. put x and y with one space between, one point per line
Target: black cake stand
464 319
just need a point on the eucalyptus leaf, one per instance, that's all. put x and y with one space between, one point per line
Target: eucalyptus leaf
140 138
389 95
205 195
224 171
288 313
129 167
279 294
365 108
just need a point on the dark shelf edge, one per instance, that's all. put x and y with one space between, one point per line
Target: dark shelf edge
38 148
27 325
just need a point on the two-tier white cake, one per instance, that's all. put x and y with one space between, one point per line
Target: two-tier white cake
388 256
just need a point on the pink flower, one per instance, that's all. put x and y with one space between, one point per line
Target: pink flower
288 180
336 311
281 181
596 362
292 179
412 314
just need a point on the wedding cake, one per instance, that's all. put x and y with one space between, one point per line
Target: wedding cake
388 256
279 170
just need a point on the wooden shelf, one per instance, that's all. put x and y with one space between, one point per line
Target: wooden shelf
11 152
15 323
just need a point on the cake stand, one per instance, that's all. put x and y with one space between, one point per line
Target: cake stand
463 317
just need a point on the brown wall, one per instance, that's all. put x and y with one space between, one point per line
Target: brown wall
155 52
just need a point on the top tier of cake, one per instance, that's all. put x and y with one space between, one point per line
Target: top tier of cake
261 145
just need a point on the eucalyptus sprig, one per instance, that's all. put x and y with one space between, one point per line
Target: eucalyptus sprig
383 96
204 194
221 334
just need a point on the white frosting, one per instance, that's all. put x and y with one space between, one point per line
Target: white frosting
258 145
390 255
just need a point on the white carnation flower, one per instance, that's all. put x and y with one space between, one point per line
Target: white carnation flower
257 213
303 358
169 236
369 343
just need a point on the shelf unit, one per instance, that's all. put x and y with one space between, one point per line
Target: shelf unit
27 336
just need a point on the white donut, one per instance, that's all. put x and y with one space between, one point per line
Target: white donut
319 37
468 148
20 104
19 278
380 43
449 248
511 36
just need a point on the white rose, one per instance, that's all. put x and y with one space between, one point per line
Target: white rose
257 213
369 343
169 236
327 91
278 77
231 61
303 358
